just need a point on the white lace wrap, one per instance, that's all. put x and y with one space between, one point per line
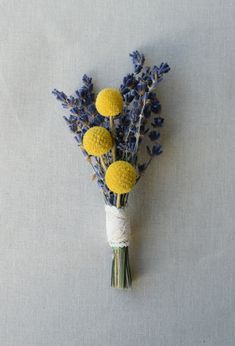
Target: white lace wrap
117 226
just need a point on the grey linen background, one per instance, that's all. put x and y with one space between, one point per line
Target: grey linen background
54 259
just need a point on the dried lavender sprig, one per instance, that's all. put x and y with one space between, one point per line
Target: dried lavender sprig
135 88
83 115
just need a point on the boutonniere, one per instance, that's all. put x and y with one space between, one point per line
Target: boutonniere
110 128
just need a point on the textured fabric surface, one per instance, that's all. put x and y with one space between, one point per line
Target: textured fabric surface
118 226
54 258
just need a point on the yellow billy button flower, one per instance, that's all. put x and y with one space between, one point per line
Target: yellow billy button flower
97 141
120 177
109 102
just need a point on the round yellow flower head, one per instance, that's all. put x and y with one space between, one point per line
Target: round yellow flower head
109 102
97 141
120 177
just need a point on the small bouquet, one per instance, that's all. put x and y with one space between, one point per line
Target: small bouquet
110 129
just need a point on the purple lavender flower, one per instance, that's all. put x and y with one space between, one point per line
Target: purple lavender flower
138 60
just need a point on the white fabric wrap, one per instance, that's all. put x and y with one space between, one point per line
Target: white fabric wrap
117 226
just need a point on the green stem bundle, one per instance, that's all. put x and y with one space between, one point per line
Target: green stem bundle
121 274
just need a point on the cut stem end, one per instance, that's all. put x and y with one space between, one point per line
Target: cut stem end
121 274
